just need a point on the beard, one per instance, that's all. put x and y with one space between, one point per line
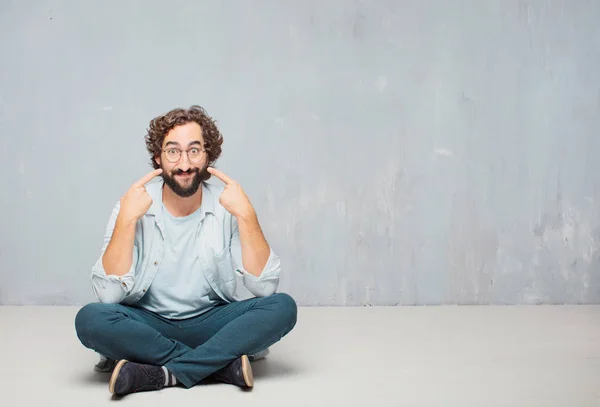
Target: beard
190 187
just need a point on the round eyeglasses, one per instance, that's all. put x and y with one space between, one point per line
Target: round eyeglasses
194 154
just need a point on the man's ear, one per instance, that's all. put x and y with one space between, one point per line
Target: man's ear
157 159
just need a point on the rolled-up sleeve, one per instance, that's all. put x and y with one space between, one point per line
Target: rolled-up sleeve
267 282
111 288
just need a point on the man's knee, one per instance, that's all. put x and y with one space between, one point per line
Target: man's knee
90 318
287 308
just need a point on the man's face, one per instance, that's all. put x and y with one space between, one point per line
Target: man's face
184 175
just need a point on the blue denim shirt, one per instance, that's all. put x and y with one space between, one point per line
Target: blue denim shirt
219 252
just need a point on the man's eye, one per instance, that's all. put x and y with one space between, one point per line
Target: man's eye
194 151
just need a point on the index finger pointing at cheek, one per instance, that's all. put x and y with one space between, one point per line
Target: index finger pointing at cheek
148 177
220 175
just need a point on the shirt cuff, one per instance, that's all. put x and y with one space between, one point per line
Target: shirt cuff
270 270
266 283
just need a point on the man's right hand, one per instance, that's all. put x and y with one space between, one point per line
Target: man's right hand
136 201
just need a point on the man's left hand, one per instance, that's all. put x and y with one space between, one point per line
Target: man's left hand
233 198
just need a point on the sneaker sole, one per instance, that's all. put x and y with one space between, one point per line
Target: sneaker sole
247 371
115 375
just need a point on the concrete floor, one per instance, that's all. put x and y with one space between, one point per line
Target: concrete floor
403 356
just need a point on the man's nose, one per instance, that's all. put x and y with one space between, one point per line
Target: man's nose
184 162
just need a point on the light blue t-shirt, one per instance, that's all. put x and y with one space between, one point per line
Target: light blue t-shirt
180 289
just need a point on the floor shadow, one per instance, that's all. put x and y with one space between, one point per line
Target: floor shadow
272 368
95 378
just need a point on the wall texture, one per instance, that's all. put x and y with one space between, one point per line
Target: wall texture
397 152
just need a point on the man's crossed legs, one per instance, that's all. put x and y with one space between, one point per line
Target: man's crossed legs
162 352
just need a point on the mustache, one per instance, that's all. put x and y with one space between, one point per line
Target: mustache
190 171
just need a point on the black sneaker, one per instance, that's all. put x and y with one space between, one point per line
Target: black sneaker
238 372
107 365
129 377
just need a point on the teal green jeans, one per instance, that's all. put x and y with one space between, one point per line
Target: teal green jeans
194 348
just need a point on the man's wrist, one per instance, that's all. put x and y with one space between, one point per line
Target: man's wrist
249 217
124 222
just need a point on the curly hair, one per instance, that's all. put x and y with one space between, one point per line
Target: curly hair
160 126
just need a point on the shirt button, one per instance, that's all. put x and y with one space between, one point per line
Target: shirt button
156 263
144 290
124 285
